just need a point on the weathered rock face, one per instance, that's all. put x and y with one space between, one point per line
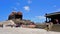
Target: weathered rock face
14 15
11 16
17 18
19 15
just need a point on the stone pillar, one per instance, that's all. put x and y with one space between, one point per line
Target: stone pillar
46 17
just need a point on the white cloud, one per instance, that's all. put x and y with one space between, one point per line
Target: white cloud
17 3
40 17
57 10
29 1
54 6
14 8
27 8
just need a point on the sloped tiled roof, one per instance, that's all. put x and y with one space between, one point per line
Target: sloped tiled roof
55 13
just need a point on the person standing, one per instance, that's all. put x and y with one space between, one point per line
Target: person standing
57 21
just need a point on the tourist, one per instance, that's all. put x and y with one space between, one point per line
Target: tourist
50 25
47 26
56 21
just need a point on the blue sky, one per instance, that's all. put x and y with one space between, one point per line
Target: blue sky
33 10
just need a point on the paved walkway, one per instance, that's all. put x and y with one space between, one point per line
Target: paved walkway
8 30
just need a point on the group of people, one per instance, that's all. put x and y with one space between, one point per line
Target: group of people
56 21
50 24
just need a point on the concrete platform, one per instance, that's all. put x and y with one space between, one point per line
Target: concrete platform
20 30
